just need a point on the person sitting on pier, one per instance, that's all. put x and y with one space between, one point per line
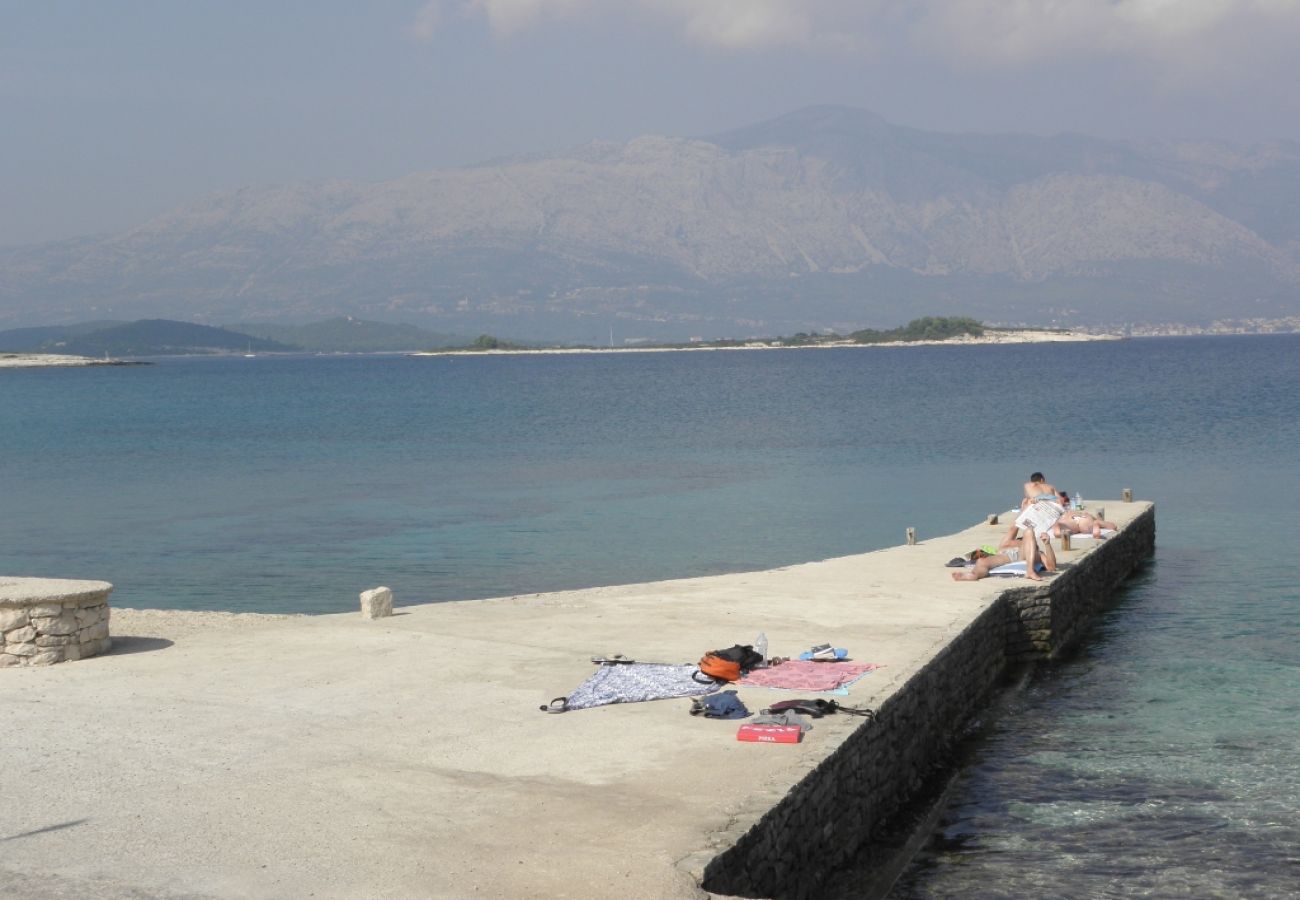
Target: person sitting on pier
1040 511
1041 505
986 561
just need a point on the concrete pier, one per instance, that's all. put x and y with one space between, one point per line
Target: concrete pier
216 755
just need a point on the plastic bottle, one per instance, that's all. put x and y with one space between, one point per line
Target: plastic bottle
760 646
1078 501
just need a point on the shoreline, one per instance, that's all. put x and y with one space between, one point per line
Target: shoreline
1023 336
33 360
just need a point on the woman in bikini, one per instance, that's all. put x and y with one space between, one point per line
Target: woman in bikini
1076 521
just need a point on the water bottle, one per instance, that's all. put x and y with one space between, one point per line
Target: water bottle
1078 501
760 646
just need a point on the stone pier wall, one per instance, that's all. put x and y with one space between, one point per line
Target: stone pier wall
854 796
47 621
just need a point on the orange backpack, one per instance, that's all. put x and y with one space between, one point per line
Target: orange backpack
729 664
720 667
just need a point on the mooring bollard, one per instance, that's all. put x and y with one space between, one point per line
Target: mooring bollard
377 603
911 536
1065 539
993 519
1128 495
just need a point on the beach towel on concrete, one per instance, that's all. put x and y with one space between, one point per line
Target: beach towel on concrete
1015 568
806 675
1087 536
633 683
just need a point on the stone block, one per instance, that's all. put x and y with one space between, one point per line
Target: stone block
89 615
13 618
377 603
20 635
96 632
8 659
26 649
45 658
89 648
45 609
72 652
64 624
55 640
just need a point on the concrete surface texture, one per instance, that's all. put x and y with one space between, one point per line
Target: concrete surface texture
221 755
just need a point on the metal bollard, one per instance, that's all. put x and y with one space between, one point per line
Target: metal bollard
911 536
1128 495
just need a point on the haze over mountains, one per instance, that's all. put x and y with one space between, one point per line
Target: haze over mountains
825 218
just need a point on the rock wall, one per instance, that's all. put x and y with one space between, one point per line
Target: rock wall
854 796
41 628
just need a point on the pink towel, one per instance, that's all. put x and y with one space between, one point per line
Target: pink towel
806 675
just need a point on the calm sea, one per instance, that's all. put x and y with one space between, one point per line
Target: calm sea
1160 760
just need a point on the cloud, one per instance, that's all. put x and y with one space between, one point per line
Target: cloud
425 24
728 24
979 34
1017 32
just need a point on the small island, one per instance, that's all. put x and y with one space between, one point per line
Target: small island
925 331
32 360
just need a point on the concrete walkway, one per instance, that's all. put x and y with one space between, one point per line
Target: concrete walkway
230 756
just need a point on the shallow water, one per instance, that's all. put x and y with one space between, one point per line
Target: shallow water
1159 761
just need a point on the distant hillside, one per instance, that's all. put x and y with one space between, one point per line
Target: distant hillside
348 334
161 337
32 340
828 218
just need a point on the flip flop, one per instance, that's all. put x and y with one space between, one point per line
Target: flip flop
825 653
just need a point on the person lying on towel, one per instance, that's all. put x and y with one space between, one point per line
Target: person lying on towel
1076 521
984 561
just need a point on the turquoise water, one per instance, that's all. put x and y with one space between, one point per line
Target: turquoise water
1159 761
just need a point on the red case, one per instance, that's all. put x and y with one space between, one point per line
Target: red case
770 734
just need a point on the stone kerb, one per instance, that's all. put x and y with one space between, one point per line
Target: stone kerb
48 620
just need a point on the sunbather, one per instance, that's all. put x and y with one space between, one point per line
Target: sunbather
1039 513
985 561
1042 504
1035 489
1076 521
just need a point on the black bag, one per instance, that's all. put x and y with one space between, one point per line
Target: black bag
742 654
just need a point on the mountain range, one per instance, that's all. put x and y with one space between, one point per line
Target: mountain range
163 337
827 218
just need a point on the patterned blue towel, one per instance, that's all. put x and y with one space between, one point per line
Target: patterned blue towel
633 683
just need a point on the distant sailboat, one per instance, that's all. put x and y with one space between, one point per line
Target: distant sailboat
250 354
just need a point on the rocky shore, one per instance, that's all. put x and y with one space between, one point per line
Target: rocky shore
1027 336
29 360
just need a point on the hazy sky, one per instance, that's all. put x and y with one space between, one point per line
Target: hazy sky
116 110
